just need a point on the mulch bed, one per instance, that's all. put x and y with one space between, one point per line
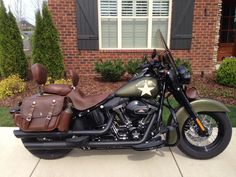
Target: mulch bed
207 87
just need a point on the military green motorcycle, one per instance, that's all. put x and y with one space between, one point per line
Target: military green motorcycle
131 117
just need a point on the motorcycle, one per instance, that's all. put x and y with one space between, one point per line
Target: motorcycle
60 117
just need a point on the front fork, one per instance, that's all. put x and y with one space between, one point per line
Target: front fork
183 100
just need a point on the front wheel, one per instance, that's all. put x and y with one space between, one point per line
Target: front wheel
198 146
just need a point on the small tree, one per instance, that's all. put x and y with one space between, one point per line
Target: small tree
12 56
46 47
3 30
38 48
17 46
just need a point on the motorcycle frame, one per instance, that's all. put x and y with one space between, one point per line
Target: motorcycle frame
169 81
156 118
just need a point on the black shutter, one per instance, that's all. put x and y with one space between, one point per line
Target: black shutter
182 24
87 24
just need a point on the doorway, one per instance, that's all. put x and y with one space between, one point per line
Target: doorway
227 43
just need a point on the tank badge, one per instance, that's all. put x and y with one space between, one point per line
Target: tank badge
146 89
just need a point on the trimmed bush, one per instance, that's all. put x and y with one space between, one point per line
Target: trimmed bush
11 86
132 66
110 70
46 44
145 58
184 62
226 74
12 56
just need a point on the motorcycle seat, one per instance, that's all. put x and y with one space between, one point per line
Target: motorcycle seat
39 75
79 99
58 89
82 102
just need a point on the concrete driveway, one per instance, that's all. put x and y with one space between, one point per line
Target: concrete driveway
16 161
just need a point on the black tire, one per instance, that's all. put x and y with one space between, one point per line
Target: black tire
218 144
46 154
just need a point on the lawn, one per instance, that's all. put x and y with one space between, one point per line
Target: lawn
232 115
6 120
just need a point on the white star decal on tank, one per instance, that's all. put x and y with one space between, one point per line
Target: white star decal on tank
146 89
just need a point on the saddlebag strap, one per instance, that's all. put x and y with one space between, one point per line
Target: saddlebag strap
28 119
49 116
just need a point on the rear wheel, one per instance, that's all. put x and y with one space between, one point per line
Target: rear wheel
200 146
46 154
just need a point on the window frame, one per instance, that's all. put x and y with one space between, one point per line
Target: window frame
228 18
119 18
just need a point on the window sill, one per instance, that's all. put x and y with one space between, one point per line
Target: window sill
127 50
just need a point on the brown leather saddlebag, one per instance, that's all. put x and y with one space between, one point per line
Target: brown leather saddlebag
40 113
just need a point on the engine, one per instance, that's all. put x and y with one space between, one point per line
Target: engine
137 110
131 120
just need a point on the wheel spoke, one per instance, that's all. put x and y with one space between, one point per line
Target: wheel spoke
192 135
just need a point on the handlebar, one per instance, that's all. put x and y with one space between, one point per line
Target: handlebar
152 64
144 65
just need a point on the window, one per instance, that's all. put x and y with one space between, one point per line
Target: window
228 23
133 24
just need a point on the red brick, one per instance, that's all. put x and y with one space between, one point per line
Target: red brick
200 55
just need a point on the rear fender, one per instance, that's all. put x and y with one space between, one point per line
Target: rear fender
201 105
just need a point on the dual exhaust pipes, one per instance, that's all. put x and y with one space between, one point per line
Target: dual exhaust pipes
67 135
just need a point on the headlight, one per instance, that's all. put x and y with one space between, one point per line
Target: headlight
184 74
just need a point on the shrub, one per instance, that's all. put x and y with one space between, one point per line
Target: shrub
12 56
46 44
226 74
145 58
184 62
59 81
132 66
110 70
63 81
11 86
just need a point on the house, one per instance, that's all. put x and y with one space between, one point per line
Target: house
27 30
199 30
26 26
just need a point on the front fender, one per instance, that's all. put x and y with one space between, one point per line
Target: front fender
201 105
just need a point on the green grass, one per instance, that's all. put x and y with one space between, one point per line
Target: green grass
232 115
6 120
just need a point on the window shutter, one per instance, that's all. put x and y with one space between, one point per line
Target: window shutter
182 22
160 8
108 8
87 24
134 8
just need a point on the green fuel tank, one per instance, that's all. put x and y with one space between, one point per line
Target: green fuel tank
141 87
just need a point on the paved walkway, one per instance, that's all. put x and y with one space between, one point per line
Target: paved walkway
16 161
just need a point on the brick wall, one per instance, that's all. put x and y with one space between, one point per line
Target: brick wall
206 26
202 54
